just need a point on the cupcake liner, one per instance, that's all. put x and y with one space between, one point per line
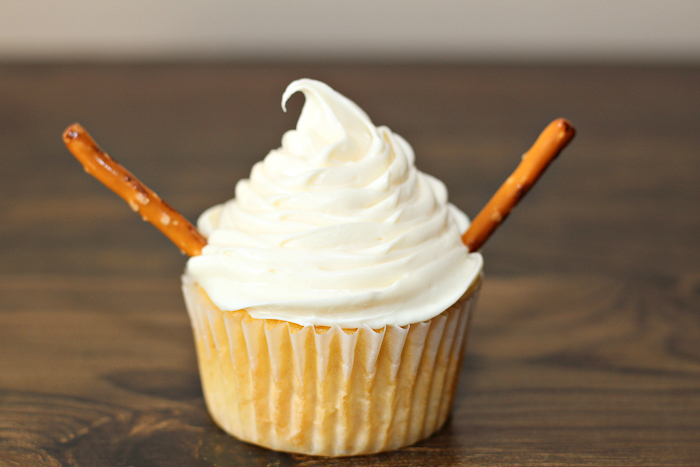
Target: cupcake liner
325 390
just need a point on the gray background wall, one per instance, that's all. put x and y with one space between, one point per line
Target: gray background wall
541 30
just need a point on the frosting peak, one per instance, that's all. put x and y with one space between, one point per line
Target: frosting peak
331 127
336 226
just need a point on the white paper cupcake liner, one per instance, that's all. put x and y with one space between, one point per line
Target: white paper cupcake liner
324 390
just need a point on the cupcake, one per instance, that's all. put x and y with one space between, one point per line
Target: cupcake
331 298
331 304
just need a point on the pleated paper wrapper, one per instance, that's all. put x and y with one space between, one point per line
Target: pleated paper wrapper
324 390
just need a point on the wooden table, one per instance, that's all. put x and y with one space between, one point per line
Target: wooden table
585 349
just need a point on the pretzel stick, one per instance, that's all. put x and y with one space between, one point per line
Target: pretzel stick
549 144
141 199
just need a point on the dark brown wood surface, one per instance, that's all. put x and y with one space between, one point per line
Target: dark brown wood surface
585 349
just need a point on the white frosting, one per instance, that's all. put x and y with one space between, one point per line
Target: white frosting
336 227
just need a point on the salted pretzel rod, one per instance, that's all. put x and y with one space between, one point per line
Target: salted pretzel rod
549 144
141 199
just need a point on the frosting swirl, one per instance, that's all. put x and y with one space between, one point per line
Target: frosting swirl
337 226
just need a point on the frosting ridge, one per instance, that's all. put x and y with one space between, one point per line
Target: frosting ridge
336 226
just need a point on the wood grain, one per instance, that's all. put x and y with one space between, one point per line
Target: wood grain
584 348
